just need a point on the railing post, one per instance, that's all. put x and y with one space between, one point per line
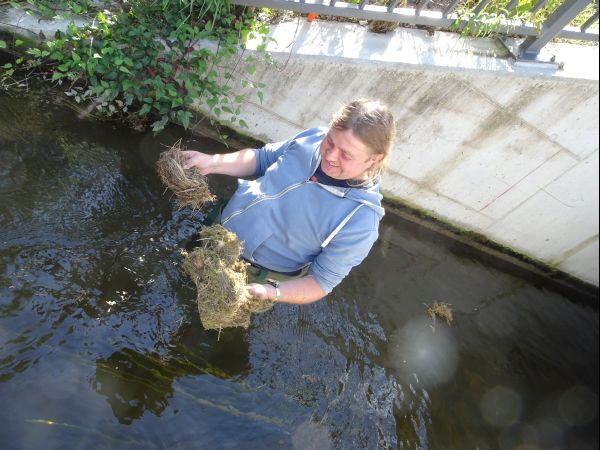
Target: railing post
590 21
562 16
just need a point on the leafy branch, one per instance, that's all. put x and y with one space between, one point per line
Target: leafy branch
147 62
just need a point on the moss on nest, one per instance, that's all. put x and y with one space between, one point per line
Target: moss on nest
220 277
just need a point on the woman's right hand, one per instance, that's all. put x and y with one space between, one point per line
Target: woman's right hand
238 164
197 160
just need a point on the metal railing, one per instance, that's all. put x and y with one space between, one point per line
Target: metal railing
556 25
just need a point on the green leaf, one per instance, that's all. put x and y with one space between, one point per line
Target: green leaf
2 44
75 57
127 84
243 123
211 102
97 90
18 42
166 68
7 66
159 124
35 52
184 118
90 67
145 109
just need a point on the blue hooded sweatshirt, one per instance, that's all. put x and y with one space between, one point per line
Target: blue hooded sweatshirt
286 221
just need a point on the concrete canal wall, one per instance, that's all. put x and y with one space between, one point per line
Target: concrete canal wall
506 150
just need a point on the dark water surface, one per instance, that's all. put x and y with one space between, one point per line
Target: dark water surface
101 345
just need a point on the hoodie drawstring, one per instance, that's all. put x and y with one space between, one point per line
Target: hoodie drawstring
340 226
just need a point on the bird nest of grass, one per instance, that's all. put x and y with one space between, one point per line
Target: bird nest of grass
189 186
220 277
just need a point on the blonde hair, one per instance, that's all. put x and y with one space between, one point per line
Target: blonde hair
373 124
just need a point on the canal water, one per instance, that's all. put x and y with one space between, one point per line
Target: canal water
101 344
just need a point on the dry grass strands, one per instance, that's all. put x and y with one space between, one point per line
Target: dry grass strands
220 277
189 186
441 310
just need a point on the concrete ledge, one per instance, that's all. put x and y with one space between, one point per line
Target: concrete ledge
19 23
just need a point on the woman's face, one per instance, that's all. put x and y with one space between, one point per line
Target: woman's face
345 157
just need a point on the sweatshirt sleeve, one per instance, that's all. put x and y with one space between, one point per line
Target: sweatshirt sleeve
267 155
347 250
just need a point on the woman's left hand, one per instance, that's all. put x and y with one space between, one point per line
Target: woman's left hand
260 291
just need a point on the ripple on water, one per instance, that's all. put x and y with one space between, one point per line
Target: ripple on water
325 356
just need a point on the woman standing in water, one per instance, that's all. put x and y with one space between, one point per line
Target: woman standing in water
312 213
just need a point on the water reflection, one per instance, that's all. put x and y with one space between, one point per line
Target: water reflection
133 382
123 379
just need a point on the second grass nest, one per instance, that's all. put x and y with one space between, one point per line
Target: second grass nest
220 277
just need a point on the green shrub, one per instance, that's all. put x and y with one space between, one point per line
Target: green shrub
147 61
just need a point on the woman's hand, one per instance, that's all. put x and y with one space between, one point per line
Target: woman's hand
299 291
239 164
199 161
261 291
